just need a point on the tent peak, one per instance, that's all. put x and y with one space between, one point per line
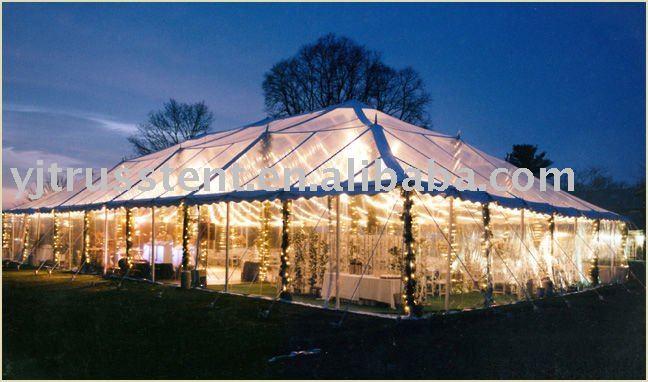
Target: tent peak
353 103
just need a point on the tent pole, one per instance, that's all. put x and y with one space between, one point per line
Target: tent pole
612 256
105 246
520 252
70 248
227 244
448 279
552 235
37 241
337 252
487 253
199 233
13 236
152 244
329 232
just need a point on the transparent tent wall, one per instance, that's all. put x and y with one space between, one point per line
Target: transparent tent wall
371 249
469 263
168 243
17 232
64 239
454 272
44 250
611 261
564 249
431 225
371 234
75 239
511 269
255 246
585 250
141 251
97 240
213 242
310 252
536 250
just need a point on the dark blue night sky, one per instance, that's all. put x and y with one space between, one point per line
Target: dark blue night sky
570 78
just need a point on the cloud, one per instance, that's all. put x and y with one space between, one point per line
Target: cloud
24 159
103 121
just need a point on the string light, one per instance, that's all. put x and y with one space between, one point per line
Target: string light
130 228
263 241
624 240
410 306
185 235
202 213
56 240
6 235
285 245
86 238
25 251
486 249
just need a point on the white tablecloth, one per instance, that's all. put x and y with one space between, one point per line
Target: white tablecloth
371 287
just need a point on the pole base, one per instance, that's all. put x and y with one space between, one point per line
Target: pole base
286 296
185 279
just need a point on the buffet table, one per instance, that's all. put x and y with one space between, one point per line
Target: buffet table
371 288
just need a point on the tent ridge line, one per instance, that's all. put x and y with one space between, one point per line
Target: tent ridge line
381 143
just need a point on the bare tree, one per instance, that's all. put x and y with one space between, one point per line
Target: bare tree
174 123
336 69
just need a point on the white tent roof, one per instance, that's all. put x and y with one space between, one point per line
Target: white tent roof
315 141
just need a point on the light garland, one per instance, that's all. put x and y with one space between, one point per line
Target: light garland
285 246
25 251
56 239
185 236
263 241
6 235
85 259
410 306
486 248
594 271
202 213
129 236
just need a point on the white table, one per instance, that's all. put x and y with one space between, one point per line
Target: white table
371 288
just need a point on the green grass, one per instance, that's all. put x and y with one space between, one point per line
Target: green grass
90 328
259 289
459 301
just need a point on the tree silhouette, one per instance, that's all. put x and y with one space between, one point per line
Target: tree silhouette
174 123
527 156
336 69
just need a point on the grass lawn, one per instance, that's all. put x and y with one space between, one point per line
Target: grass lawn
89 328
433 303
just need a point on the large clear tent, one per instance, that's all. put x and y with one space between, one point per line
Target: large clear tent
389 250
